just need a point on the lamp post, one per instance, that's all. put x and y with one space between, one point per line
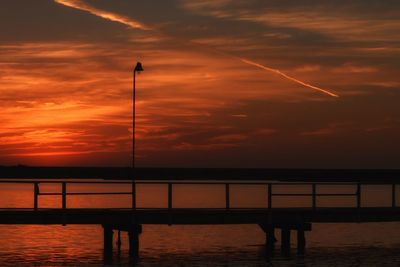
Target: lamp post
138 68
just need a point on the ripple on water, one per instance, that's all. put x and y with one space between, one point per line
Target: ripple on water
242 245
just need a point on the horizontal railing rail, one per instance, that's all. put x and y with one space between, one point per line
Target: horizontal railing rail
312 187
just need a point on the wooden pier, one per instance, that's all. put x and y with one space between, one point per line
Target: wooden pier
270 217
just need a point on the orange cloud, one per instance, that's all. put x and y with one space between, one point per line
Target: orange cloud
135 24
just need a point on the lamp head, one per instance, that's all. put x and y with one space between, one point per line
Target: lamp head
139 67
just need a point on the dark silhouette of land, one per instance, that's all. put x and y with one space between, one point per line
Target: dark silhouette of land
126 173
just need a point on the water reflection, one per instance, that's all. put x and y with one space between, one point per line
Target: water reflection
237 245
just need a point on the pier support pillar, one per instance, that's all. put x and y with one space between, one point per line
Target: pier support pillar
270 240
119 242
108 243
301 242
133 234
285 241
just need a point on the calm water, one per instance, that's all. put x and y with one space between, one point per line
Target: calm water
368 244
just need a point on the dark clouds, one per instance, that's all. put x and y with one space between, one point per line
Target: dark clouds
45 20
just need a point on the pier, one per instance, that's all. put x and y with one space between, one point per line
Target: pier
270 216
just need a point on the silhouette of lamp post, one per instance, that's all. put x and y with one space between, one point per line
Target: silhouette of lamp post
138 68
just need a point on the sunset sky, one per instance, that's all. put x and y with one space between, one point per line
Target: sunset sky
227 83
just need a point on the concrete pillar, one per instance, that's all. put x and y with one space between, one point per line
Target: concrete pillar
119 243
108 243
133 234
301 242
270 240
285 241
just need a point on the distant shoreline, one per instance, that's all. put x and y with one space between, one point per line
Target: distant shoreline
126 173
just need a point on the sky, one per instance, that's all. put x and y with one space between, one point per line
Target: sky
226 83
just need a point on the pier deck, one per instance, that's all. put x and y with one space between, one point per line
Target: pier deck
269 217
199 216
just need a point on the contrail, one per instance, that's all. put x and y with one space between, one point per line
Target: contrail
79 4
287 77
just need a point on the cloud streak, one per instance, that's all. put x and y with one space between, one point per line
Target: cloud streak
138 25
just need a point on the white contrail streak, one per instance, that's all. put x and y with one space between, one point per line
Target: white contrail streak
287 77
79 4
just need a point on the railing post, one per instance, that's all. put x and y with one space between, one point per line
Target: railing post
35 195
269 196
169 196
393 195
227 206
169 203
358 195
64 195
133 196
314 196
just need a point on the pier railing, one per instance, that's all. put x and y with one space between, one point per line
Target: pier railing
313 193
